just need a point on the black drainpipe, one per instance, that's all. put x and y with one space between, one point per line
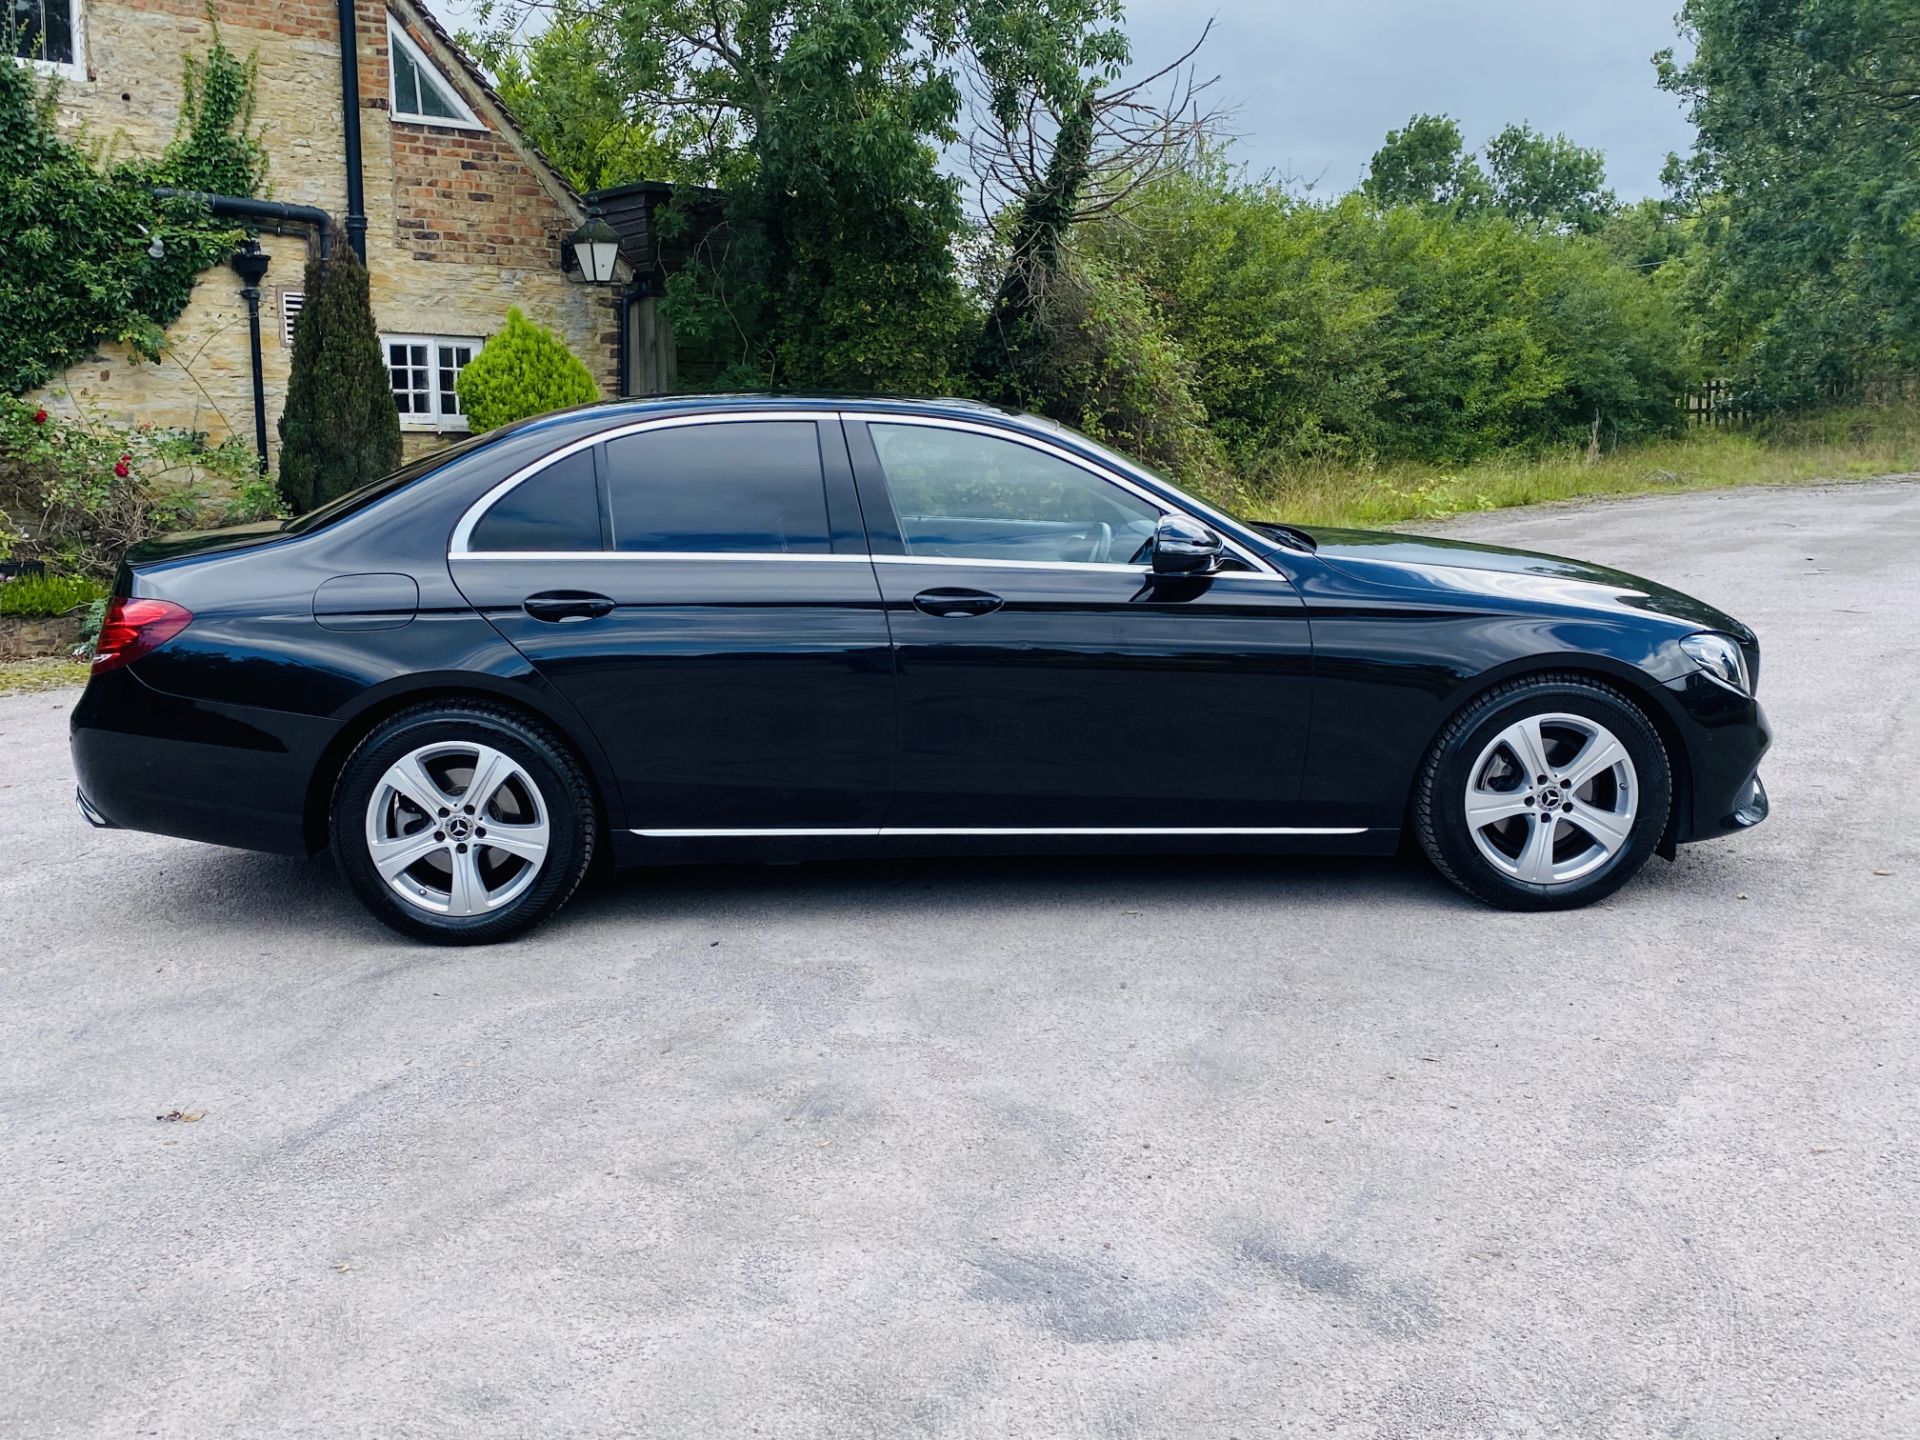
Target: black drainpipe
250 264
262 214
350 118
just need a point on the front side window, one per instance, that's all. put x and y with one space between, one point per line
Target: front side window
966 495
719 488
46 30
423 369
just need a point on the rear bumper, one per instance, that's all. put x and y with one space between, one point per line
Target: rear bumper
225 774
90 814
1726 735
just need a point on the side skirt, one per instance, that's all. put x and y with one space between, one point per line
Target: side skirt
701 847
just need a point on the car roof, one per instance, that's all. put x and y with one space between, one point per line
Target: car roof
611 412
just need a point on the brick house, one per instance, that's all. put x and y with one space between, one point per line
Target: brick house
462 215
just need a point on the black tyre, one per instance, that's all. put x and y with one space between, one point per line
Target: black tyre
462 823
1546 793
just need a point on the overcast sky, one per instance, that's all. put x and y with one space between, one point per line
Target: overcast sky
1318 83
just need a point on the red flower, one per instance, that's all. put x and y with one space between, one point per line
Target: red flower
120 467
40 417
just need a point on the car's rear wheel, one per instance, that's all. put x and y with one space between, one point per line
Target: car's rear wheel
1546 793
462 823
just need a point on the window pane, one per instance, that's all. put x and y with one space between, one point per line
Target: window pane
978 497
397 354
749 486
406 84
42 29
558 509
434 100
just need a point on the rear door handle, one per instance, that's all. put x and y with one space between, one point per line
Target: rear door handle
957 602
561 605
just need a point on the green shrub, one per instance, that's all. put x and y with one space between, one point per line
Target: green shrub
46 594
90 627
340 428
524 370
75 495
255 498
1324 331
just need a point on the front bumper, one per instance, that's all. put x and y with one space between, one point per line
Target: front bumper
1725 736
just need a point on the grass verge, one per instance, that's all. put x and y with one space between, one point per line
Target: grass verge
1840 445
19 677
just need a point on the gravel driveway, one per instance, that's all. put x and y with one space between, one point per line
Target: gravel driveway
1244 1148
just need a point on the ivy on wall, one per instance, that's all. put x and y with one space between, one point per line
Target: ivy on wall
79 268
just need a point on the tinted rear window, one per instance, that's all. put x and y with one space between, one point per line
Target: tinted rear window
557 509
719 488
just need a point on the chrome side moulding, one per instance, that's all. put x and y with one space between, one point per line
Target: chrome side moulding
893 831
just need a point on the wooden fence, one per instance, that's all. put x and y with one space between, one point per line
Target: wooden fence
1713 406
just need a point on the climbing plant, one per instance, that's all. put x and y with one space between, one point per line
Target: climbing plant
216 148
91 255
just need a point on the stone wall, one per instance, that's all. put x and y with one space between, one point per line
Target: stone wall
461 223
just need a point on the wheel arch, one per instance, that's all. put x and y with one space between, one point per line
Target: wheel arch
1647 693
378 705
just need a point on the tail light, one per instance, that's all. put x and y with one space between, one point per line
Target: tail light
134 628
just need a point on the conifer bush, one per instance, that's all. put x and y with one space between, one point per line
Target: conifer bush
524 370
340 428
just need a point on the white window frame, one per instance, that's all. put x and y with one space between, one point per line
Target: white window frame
434 421
398 39
75 69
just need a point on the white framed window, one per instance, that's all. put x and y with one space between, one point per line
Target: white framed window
422 370
49 33
420 94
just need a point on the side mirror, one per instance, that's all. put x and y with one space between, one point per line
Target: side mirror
1185 547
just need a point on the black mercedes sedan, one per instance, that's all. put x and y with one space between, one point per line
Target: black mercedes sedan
779 628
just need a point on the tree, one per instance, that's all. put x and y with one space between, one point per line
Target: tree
821 121
1058 144
340 428
1547 180
1425 164
565 85
1806 180
524 370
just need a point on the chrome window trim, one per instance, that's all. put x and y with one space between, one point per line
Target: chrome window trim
1105 567
459 547
893 831
812 556
1034 442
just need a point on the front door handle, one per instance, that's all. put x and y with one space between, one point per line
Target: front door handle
561 605
957 602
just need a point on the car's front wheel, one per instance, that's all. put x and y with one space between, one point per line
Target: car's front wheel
1546 793
462 823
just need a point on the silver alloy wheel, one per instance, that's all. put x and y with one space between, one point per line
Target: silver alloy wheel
1552 799
457 829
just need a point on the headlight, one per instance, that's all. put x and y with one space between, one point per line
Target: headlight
1720 658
